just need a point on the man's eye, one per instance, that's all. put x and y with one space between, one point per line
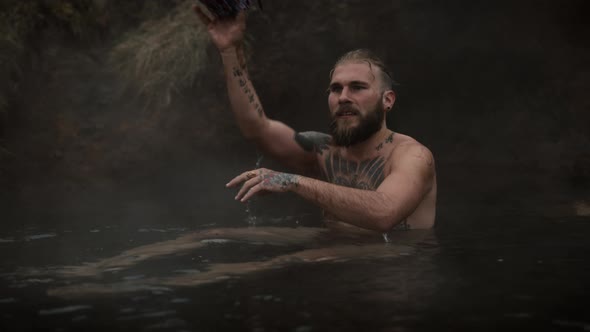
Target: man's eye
335 89
357 87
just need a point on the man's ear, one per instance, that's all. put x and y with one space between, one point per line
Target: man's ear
388 99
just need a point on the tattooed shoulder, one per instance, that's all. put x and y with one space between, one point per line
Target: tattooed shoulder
313 141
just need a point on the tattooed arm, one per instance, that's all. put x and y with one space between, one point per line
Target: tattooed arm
400 193
273 137
411 179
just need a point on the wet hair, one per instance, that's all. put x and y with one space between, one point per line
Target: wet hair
364 55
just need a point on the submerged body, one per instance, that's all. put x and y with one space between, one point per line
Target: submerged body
319 245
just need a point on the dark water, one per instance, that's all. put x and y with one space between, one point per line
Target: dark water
497 82
511 257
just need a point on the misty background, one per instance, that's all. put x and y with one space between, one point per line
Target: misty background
116 112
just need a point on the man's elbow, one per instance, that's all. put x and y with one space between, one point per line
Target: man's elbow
385 222
255 131
250 133
383 227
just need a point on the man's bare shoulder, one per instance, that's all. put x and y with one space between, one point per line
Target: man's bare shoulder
409 150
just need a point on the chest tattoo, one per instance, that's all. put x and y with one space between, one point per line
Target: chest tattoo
367 174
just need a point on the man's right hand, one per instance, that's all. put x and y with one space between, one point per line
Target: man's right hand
226 34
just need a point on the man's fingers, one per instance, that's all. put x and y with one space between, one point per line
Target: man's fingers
233 182
251 184
244 189
247 187
237 180
251 192
241 178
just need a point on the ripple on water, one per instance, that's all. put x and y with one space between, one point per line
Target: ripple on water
153 314
180 300
63 310
217 241
168 324
134 277
569 323
40 236
187 271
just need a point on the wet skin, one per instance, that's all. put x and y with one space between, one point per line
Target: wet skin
393 174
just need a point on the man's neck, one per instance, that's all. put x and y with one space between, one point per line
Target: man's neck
367 148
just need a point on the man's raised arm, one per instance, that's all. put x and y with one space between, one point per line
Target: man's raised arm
273 137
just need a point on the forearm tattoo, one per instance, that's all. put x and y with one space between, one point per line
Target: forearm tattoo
283 180
313 141
241 76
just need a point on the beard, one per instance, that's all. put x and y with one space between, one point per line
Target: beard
345 135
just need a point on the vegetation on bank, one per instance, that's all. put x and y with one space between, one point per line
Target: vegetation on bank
29 28
164 56
22 24
455 69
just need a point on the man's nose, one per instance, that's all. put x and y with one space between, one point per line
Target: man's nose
344 96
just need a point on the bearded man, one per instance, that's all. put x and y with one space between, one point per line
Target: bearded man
363 175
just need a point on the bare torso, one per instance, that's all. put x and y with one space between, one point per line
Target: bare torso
368 173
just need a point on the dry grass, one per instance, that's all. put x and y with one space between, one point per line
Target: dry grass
163 56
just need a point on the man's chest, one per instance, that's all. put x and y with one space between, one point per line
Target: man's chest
365 174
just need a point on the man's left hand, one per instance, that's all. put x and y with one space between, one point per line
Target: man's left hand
262 180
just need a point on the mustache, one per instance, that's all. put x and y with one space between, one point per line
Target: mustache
341 110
